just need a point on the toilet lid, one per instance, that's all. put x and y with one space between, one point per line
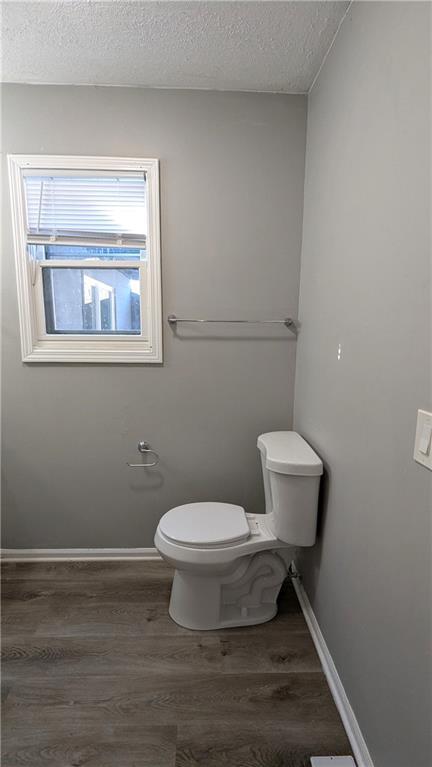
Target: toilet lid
205 524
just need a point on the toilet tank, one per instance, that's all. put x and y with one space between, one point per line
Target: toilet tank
291 473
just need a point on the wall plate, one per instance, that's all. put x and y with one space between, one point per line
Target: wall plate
423 439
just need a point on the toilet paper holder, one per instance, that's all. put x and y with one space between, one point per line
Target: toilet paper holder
144 448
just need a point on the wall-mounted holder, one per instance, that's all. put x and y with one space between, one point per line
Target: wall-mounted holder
144 448
289 323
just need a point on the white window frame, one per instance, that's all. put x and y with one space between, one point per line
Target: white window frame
36 344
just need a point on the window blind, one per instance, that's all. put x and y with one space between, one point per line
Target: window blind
86 207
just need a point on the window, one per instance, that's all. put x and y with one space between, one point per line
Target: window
87 249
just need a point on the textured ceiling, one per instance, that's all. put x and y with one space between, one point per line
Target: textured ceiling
260 46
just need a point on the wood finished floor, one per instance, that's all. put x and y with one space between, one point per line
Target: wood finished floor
96 674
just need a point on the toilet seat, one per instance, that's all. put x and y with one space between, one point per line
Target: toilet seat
205 525
260 537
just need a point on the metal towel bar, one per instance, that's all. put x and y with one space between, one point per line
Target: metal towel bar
287 321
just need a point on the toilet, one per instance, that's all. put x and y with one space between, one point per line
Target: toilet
229 565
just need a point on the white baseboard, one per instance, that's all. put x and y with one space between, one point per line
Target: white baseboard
59 555
355 737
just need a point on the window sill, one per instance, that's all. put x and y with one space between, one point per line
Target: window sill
61 353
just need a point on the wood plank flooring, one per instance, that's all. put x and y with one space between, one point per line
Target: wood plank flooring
96 674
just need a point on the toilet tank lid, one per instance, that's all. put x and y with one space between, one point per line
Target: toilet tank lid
286 452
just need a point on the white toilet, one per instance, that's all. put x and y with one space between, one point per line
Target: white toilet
230 565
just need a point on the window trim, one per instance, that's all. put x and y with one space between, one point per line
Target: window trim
37 346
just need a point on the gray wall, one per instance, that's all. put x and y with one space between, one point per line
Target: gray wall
232 172
365 285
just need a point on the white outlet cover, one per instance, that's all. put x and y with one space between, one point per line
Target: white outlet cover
422 438
332 761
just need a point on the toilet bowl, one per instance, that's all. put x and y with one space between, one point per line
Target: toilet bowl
229 565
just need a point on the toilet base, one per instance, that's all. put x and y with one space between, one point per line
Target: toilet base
245 596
